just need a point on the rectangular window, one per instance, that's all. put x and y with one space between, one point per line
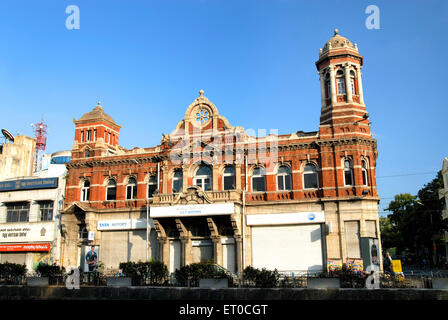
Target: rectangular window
177 185
341 86
352 239
18 212
88 135
348 178
229 182
94 135
82 135
310 180
151 190
352 85
258 184
131 192
111 193
46 210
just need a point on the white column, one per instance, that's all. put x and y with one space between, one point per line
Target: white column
322 88
333 86
361 94
348 86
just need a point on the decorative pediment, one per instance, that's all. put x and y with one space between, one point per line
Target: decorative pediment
192 195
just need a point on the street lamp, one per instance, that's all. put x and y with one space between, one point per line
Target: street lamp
147 216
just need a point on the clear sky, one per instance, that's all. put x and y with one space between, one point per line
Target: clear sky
146 61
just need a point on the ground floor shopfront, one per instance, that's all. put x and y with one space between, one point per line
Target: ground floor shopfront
296 237
28 243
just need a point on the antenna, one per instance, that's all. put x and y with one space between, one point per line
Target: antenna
40 132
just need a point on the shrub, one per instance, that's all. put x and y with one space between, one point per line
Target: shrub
49 270
261 278
190 274
155 272
12 273
347 276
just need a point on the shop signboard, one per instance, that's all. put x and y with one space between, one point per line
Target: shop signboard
27 232
193 210
25 247
28 184
124 224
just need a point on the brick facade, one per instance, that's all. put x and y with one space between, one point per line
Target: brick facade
204 137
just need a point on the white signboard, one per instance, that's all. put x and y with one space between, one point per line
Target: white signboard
27 232
285 218
192 210
125 224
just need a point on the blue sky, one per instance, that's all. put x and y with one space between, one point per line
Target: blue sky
147 60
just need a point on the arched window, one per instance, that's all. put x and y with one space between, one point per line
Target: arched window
203 177
348 173
365 180
85 191
284 178
352 81
228 178
310 177
111 190
87 153
259 179
152 186
177 181
340 83
131 189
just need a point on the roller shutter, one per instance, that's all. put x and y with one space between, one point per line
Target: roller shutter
288 247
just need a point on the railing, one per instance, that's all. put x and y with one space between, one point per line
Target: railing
287 279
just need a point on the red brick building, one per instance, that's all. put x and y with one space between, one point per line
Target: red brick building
296 202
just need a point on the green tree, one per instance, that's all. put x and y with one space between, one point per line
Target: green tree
390 235
416 221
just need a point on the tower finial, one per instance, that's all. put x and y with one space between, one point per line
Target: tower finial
336 31
201 93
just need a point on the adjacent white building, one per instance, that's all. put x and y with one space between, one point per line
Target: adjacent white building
29 213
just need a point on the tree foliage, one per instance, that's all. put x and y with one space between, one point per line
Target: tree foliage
415 221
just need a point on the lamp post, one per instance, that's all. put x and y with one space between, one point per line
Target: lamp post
147 217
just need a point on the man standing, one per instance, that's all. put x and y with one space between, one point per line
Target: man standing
91 259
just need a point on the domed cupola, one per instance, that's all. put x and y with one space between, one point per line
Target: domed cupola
337 45
343 109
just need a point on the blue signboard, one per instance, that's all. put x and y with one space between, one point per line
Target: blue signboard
28 184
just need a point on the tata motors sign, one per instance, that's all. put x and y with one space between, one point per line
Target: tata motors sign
27 232
125 224
192 210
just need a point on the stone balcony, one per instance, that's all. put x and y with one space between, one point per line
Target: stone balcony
213 196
